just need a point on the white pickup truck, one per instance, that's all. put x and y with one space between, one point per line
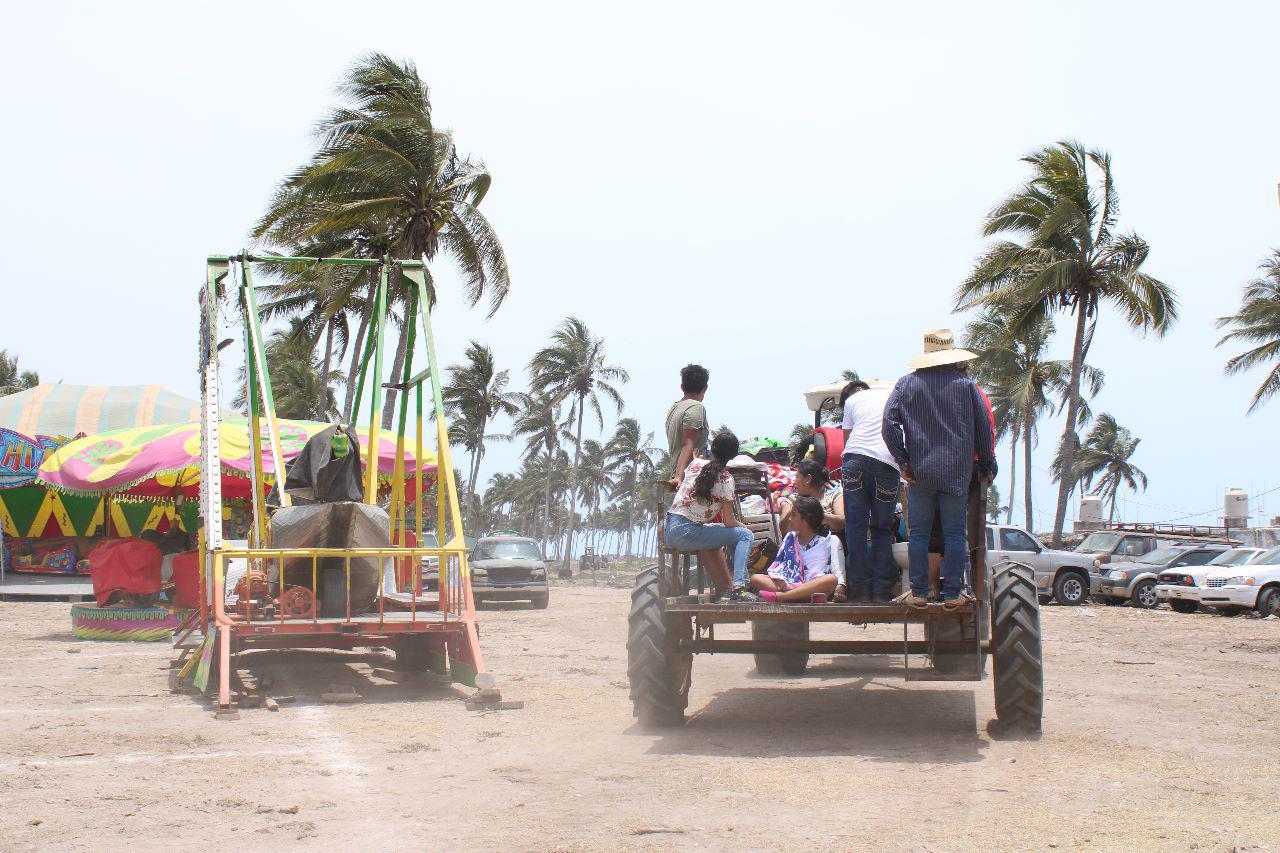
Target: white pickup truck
1256 585
1061 576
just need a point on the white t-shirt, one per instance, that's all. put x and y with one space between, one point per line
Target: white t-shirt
863 416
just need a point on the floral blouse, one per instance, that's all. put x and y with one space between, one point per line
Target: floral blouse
690 506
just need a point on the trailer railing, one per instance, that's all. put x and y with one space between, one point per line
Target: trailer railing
272 567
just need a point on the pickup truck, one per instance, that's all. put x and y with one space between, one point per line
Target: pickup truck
1061 576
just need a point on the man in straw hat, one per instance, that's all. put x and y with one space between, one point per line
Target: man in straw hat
935 425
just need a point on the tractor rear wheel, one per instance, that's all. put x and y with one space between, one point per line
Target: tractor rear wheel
786 663
1016 648
660 677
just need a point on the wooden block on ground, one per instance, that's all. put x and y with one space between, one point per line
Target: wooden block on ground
473 705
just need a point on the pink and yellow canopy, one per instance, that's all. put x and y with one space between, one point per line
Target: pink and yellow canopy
164 460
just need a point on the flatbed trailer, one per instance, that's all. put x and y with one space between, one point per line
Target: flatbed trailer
673 618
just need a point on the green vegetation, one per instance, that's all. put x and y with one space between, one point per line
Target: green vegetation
12 380
1023 386
1258 322
1069 257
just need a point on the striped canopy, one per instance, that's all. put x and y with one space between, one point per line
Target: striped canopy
68 410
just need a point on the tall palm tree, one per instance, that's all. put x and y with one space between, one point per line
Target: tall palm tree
595 476
539 422
300 387
384 168
475 394
1071 259
573 368
11 379
328 298
1106 456
631 453
1023 386
1258 322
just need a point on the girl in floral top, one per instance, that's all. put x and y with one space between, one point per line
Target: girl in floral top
707 490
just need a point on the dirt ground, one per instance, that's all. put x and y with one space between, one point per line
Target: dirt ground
1161 732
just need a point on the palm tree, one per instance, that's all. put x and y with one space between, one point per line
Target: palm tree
1106 456
11 380
1071 259
797 439
573 368
475 394
328 298
539 422
385 170
300 387
631 453
595 477
1258 321
1023 386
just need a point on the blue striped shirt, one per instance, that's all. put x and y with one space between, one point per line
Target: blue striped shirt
936 421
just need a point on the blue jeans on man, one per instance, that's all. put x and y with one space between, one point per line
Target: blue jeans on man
870 491
927 506
684 535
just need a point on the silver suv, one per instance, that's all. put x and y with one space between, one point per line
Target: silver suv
1135 580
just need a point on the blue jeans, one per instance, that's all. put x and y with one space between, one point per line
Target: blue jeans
870 491
683 535
923 503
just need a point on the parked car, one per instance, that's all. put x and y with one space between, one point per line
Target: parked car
1060 575
507 568
1256 584
1108 546
1135 580
1180 588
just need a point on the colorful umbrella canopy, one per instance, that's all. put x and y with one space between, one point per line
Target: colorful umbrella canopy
164 460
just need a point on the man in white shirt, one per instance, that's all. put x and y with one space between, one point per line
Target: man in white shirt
870 478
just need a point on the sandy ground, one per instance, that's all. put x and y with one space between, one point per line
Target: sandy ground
1161 732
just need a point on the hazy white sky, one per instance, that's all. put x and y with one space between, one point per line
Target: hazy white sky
777 191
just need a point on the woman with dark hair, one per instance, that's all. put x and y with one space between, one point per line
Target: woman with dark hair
812 481
707 489
810 560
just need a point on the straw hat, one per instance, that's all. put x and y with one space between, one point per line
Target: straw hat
939 349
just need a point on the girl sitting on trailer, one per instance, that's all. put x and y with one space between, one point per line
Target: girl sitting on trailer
810 560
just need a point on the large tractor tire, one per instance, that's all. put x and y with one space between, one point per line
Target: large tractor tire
659 676
790 663
1016 649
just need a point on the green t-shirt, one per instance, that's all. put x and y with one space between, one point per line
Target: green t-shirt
686 414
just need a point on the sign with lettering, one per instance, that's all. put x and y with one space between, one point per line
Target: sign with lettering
20 457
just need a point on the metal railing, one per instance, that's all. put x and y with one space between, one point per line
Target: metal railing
270 573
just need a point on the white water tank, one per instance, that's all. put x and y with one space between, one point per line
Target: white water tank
1090 511
1235 508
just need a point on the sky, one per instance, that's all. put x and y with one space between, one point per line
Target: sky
776 191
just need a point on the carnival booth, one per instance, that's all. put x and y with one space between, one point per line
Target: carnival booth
50 532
